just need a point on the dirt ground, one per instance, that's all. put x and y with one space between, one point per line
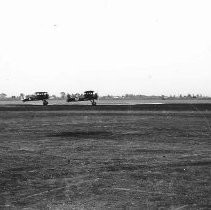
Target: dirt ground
93 159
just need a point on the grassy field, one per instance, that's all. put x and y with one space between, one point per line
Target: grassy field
105 160
112 101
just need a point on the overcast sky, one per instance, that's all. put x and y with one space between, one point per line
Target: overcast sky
110 46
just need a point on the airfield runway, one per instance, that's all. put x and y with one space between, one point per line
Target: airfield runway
105 157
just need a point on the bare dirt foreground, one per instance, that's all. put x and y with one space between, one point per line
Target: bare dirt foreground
96 158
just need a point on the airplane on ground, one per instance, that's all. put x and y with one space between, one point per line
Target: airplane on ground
38 96
87 96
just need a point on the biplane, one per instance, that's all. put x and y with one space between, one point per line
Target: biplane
38 96
87 96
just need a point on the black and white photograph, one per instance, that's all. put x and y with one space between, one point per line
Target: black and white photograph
105 104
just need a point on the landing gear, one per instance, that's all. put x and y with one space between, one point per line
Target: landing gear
93 103
45 102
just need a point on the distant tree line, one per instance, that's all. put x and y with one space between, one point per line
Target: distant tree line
63 95
161 97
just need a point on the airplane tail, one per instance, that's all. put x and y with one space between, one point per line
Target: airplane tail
22 97
96 96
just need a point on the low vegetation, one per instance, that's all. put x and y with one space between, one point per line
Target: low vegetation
101 160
